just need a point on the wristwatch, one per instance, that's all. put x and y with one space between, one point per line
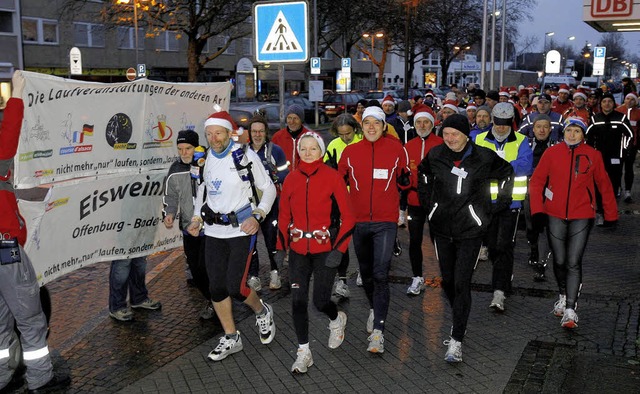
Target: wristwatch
258 217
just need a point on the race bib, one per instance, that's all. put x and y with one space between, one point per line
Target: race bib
615 161
380 173
459 172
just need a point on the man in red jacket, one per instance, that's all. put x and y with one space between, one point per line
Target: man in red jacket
374 168
417 149
19 289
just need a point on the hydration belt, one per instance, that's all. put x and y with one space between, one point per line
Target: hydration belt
9 251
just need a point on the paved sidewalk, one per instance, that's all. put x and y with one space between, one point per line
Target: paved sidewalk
522 350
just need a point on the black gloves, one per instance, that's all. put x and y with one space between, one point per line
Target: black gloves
332 160
404 178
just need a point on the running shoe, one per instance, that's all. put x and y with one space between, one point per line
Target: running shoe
497 302
560 305
370 322
337 327
274 280
341 289
417 285
255 283
266 325
225 347
569 319
303 361
376 342
454 351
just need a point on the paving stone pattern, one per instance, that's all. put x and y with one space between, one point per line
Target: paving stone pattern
521 350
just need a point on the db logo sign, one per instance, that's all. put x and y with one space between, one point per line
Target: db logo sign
611 8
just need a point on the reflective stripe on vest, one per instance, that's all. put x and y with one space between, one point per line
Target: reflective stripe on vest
4 353
35 354
511 149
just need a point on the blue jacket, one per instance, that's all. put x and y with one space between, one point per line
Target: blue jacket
557 124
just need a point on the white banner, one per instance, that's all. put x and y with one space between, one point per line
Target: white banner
74 128
83 222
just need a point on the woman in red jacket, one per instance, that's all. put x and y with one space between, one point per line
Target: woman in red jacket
562 187
305 226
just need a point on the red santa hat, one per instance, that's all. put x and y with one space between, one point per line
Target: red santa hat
388 100
472 107
451 104
580 93
633 95
222 118
523 92
423 111
564 88
504 91
513 91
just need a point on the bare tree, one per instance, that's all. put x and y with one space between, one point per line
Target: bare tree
197 20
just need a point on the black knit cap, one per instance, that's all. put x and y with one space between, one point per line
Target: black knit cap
458 122
188 137
608 95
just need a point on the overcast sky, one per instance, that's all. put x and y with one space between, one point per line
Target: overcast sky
564 17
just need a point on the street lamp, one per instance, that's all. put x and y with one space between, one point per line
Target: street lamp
372 37
135 23
461 51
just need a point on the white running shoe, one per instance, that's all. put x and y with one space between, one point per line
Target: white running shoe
376 342
337 327
370 322
569 319
402 219
359 280
303 361
560 305
417 285
225 347
497 302
274 280
255 283
266 325
342 289
454 351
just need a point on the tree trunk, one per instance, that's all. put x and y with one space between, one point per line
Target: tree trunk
193 62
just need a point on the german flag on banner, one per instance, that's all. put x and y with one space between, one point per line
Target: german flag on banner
87 129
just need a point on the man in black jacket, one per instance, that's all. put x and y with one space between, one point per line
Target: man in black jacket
453 187
610 133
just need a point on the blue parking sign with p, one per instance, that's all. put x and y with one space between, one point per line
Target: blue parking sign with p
346 62
600 51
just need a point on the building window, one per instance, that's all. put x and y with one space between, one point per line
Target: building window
167 41
6 22
39 31
216 44
127 38
247 46
88 35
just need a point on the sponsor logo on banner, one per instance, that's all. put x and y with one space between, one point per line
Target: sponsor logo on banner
57 203
118 132
75 138
158 132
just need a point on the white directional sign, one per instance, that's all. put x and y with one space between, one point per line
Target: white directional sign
346 65
552 65
315 65
75 61
281 32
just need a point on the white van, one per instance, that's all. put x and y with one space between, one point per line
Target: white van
559 80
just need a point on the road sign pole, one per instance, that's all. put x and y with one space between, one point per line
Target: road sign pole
281 93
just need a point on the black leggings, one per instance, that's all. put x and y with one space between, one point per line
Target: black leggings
300 269
568 240
630 158
416 219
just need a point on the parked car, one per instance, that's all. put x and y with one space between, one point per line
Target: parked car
309 109
339 103
381 94
243 112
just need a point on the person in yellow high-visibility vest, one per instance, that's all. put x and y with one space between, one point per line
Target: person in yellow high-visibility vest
514 148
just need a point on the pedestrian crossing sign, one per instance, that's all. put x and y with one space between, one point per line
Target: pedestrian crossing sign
281 32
